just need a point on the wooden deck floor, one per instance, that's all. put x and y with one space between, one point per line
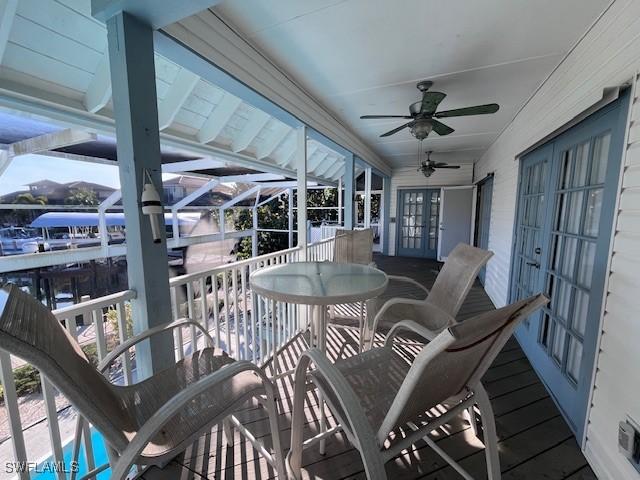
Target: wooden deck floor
534 440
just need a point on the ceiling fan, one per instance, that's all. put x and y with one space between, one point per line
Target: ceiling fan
423 114
428 166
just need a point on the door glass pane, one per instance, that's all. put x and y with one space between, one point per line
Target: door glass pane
580 310
540 218
535 178
575 211
567 168
582 164
544 330
563 206
574 358
558 341
556 258
592 215
569 256
585 265
561 299
600 157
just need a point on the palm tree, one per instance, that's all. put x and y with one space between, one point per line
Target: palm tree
29 199
22 217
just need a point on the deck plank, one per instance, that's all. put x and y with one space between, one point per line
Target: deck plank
534 440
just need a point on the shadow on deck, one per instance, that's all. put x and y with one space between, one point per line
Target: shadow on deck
534 440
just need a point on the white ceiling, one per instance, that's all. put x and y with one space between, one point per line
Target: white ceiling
362 57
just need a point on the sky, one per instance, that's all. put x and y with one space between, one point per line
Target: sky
31 168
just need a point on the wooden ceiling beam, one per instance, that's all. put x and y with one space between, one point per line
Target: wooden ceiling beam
51 141
175 97
220 115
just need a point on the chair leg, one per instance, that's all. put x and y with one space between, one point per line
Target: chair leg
367 332
294 457
489 431
227 429
272 411
361 321
473 419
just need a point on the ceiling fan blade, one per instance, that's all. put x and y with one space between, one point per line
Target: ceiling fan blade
369 117
477 110
395 130
430 101
440 128
446 166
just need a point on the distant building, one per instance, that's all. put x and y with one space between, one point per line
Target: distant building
56 193
174 190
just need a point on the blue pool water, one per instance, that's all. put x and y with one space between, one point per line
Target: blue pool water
99 454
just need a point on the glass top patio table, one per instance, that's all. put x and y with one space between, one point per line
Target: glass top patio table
319 283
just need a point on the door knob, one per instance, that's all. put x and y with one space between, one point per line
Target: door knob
534 264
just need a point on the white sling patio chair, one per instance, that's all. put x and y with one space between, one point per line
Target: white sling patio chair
152 421
405 298
354 246
378 392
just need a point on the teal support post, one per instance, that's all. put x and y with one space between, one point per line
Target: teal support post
138 147
386 210
349 185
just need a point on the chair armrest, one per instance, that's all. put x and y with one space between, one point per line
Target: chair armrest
390 303
399 278
412 326
120 349
167 411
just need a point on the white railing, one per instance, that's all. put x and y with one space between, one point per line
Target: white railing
245 325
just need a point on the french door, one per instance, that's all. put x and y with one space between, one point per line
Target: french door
565 214
418 212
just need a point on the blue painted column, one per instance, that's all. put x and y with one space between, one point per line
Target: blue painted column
349 185
386 210
138 147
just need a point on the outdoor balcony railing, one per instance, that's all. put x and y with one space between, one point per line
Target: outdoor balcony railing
245 325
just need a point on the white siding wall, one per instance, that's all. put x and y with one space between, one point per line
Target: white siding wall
617 382
410 178
608 55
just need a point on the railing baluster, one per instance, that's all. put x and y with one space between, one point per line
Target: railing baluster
48 393
254 319
191 314
274 345
177 332
225 287
268 328
236 319
204 310
13 412
121 313
86 429
260 329
98 322
215 307
245 312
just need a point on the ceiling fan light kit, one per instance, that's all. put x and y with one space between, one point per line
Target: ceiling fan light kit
428 166
421 129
